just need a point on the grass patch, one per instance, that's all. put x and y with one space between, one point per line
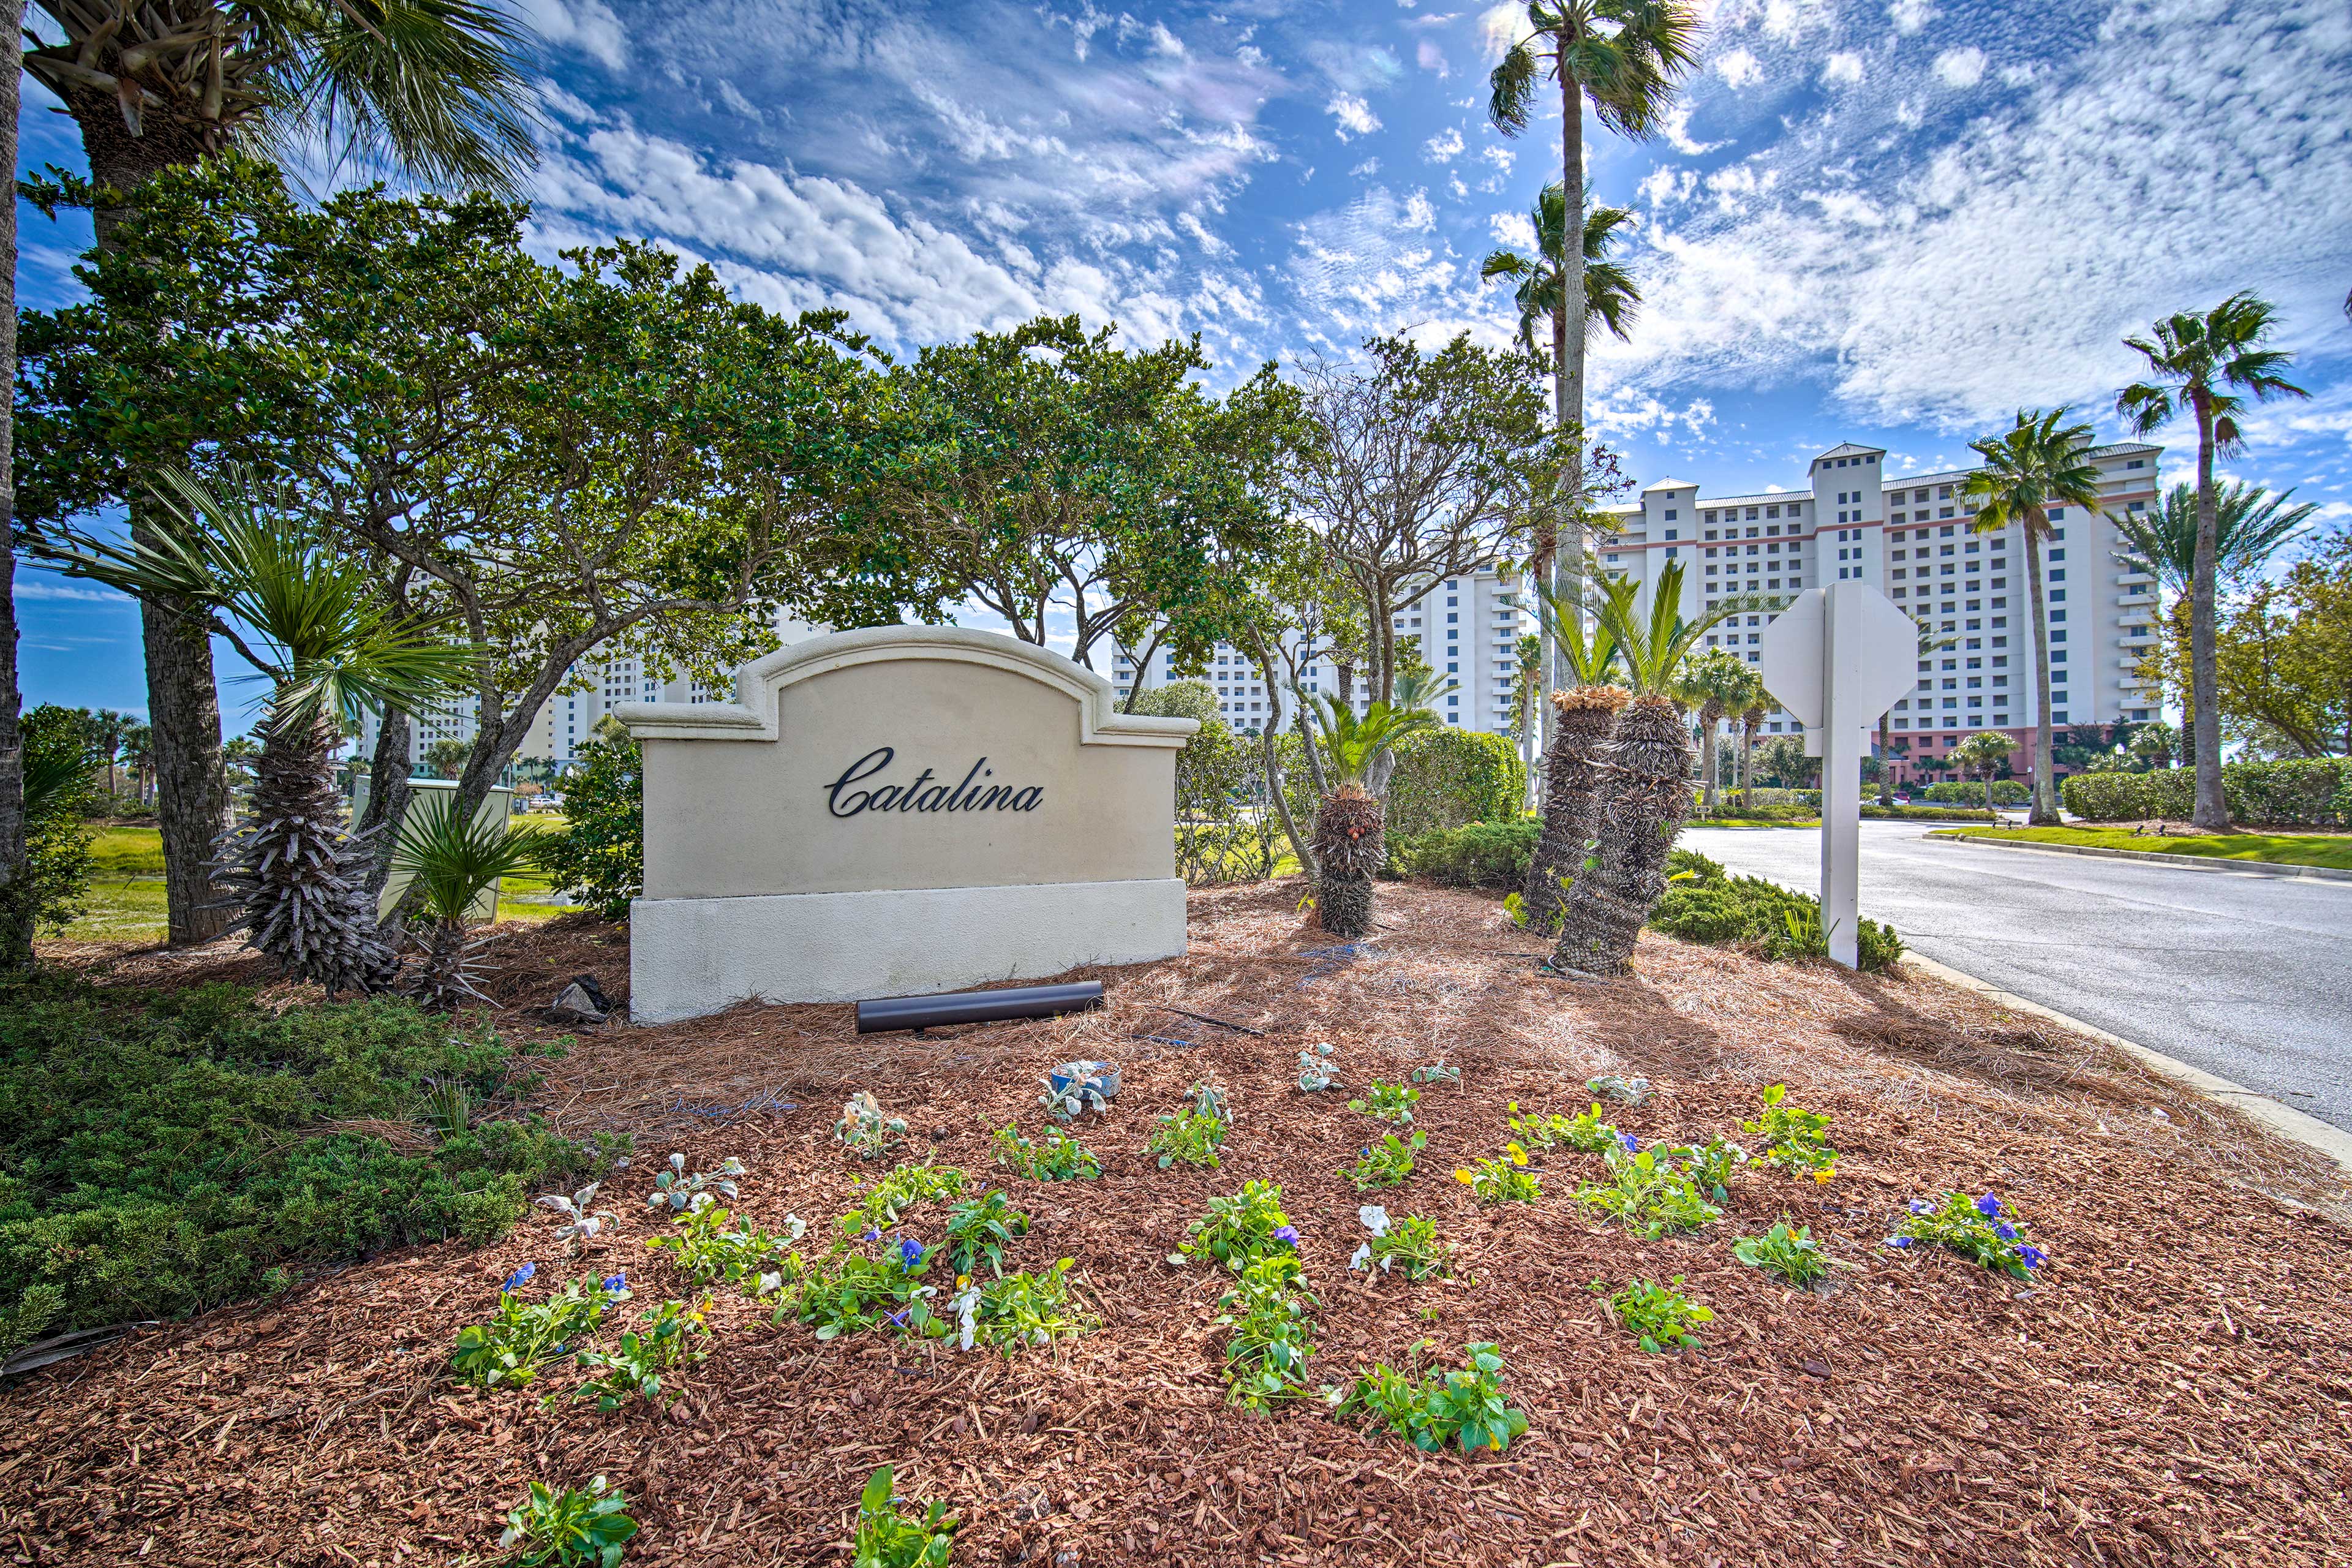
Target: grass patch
127 852
2334 851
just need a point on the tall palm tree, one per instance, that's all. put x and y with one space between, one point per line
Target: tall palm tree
17 896
1610 297
1626 58
2038 463
1715 682
430 90
2204 365
307 618
1751 724
1982 753
2251 525
1349 842
1583 714
1645 792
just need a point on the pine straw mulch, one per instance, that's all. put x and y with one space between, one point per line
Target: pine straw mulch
2176 1388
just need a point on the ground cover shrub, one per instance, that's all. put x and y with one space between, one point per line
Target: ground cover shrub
674 1188
888 1539
1059 1158
672 1335
1795 1139
1502 1179
1647 1197
1409 1242
166 1153
2301 792
980 1229
1387 1101
1657 1315
1386 1161
1190 1136
581 1527
1759 812
1954 792
1249 1225
1269 1331
1704 904
599 857
711 1249
1492 855
1872 812
1465 1408
1017 1309
1792 1253
523 1337
1978 1229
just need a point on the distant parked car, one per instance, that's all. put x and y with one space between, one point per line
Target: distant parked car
1902 800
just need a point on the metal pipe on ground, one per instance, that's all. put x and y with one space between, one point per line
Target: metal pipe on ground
976 1006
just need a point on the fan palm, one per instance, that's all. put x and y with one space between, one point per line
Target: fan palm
1646 792
2038 463
446 862
2250 526
306 617
2204 365
1626 58
1349 842
1422 690
1982 753
1583 715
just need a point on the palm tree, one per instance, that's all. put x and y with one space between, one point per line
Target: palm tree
1751 724
307 618
2251 525
1983 754
1583 715
445 863
432 90
1422 690
1646 794
1626 58
1928 643
2195 361
2039 462
1350 844
1715 682
1610 297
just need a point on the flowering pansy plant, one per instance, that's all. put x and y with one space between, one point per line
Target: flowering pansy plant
1980 1229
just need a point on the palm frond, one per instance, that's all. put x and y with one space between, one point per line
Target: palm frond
451 860
2039 462
1352 740
1654 647
2250 526
1512 89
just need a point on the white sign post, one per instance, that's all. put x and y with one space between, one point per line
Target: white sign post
1837 657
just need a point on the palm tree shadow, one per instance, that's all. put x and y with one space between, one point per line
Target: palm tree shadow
2024 1057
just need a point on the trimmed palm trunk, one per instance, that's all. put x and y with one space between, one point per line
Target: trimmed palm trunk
300 880
1583 719
1349 845
1645 795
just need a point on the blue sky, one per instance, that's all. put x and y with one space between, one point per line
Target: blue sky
1885 222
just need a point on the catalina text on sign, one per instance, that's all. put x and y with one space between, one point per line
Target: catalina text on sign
974 793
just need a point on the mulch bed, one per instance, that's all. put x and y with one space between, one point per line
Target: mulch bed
2176 1387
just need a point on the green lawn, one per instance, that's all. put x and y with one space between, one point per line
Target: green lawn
2282 849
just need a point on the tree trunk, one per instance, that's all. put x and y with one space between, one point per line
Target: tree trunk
2212 811
2045 776
1270 762
387 807
15 890
1885 765
1640 804
1349 847
1709 716
1572 775
1569 345
192 803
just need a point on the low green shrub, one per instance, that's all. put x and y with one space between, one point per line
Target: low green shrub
1712 907
1789 1252
1464 1408
168 1154
1877 813
1648 1197
1270 1329
599 857
2302 792
1492 855
1060 1158
1249 1225
1954 792
1447 777
1189 1136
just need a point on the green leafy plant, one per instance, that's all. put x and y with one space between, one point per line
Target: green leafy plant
711 1249
582 1527
1248 1225
1018 1309
886 1538
980 1229
1979 1230
1436 1072
1386 1161
1793 1136
1631 1090
1465 1408
1316 1072
869 1132
1059 1158
899 1189
1792 1254
1409 1243
1388 1101
1711 1164
517 1343
672 1335
1647 1197
448 868
1657 1315
674 1188
849 1293
1504 1179
599 858
1190 1136
1269 1331
1209 1100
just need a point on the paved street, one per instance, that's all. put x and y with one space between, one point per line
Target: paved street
2243 974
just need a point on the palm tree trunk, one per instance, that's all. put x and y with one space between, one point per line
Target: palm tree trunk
16 892
1885 765
1569 345
1634 821
1573 779
1709 716
2212 812
2045 781
1350 846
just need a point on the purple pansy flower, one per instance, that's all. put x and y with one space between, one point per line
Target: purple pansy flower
518 1279
1633 1145
898 1318
2031 1256
1288 1235
873 1235
1921 1206
2005 1230
1898 1241
1988 1206
911 1252
618 1283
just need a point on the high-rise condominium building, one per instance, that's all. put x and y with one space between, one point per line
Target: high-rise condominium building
1913 535
1469 626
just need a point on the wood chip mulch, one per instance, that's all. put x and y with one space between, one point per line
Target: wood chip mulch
2175 1388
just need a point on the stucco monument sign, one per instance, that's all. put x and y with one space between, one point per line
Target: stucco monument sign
898 811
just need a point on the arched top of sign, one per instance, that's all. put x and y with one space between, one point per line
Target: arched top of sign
754 715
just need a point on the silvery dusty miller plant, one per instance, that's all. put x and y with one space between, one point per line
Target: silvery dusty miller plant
674 1187
581 1222
1316 1072
865 1129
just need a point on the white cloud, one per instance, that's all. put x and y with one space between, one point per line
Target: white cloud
588 26
1365 170
1355 116
1843 69
1960 68
1514 230
1420 215
1429 58
1739 68
1675 126
30 585
1502 157
1444 147
1911 16
1666 183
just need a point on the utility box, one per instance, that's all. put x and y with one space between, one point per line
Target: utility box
435 795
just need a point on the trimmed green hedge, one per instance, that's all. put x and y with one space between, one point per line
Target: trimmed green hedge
1447 777
2005 792
1708 905
1491 854
1925 812
2314 792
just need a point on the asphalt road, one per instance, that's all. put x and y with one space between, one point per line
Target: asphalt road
2239 972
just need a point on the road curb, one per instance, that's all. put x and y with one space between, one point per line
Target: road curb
2191 862
2281 1121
